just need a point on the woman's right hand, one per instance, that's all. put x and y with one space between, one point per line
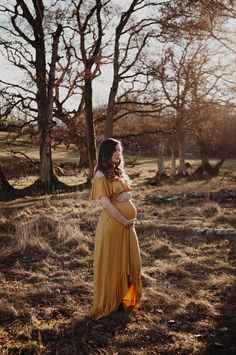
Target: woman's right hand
130 223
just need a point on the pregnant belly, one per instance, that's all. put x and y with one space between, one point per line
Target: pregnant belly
126 208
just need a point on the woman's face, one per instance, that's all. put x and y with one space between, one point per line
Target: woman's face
116 155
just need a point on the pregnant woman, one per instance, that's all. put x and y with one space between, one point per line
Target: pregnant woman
117 264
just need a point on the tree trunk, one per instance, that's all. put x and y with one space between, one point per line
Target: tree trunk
46 175
90 132
116 65
173 161
111 109
45 108
90 53
83 160
204 156
160 158
181 146
44 126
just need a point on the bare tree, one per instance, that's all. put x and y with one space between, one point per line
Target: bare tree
187 80
54 95
90 53
82 41
214 135
25 47
131 37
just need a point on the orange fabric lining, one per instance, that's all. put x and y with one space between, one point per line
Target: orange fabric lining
129 300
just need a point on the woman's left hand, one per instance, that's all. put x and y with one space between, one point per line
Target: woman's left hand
124 196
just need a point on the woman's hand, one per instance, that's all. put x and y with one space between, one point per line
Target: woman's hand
115 213
124 196
130 223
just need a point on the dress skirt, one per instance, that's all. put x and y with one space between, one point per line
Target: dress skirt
117 263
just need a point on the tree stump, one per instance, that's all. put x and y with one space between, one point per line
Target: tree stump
209 169
4 184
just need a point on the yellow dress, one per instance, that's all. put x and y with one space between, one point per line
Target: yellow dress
117 263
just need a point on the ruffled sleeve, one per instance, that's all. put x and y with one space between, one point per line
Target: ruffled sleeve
100 188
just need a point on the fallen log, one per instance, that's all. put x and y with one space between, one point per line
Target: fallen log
215 231
188 231
222 195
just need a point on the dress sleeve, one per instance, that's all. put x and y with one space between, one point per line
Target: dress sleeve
100 188
128 187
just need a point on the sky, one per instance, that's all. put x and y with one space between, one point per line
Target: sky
101 85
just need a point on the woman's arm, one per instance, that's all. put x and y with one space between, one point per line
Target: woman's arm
124 196
115 213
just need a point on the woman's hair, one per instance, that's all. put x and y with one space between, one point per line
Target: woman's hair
105 165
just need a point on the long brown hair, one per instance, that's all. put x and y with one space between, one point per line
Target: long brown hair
105 164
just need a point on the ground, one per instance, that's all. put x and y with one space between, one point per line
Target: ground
189 298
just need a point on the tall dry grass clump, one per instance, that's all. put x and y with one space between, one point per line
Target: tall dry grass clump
8 313
161 249
210 209
28 240
43 235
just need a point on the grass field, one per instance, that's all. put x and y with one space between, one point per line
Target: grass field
23 145
189 282
60 154
20 177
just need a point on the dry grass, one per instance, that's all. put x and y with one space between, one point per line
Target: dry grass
188 279
210 209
